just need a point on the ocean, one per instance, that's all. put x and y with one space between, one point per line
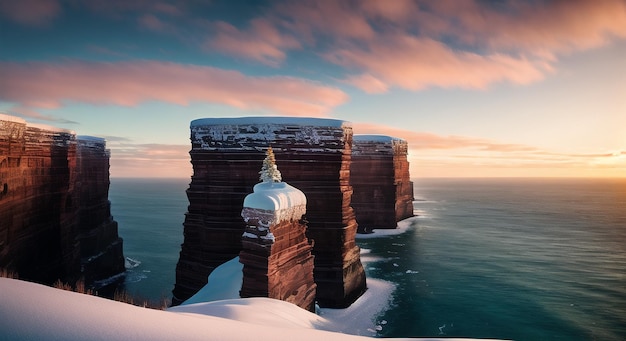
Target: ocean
522 259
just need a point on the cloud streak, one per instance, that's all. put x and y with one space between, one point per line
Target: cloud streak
261 42
418 63
50 85
29 113
133 159
437 155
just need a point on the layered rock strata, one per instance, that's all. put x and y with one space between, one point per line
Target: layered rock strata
314 155
48 189
276 254
383 191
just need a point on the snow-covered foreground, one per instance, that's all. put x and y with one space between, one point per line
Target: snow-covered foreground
358 319
35 312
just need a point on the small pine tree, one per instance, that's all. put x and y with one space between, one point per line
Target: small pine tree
269 172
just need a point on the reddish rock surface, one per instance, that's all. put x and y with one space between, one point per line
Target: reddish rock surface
314 154
48 193
280 266
383 191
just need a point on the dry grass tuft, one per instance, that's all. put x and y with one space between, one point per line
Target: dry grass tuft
6 273
119 295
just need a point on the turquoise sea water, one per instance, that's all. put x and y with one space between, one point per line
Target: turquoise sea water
523 259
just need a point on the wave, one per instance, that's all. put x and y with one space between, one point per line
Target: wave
131 263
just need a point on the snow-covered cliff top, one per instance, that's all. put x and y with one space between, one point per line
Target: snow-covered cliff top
274 196
256 133
90 138
91 142
9 118
378 145
50 128
286 120
376 138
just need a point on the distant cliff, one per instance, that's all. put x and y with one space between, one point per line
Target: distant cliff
379 174
55 220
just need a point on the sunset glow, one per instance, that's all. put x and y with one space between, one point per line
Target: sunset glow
477 88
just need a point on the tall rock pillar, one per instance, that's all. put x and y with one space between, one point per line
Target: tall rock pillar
276 254
383 191
314 155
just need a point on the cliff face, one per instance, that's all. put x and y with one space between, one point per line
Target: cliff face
383 191
102 258
314 155
43 181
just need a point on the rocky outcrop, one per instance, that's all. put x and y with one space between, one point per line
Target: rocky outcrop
276 254
314 155
383 191
49 189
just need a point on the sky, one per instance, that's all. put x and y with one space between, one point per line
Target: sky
478 88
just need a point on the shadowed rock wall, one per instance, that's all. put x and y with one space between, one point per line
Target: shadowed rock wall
383 191
314 154
102 258
42 181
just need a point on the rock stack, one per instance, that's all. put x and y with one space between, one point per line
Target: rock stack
314 155
45 188
276 254
383 191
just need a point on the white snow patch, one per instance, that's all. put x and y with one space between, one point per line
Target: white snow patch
250 235
50 128
275 120
35 312
274 202
403 226
376 138
10 118
224 283
90 138
274 196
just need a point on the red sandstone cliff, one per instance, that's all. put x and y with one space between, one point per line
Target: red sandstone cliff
50 185
314 155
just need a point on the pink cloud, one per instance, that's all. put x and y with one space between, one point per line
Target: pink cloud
149 160
447 43
341 19
426 140
50 85
29 113
153 23
368 83
440 156
31 12
546 28
261 41
418 63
